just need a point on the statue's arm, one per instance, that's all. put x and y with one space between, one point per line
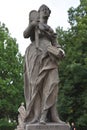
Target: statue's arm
26 32
29 29
55 42
50 33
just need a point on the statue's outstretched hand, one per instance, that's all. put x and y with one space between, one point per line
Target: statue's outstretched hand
61 53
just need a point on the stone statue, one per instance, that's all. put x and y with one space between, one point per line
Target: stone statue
21 117
41 69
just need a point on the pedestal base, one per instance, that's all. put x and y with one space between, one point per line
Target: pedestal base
48 126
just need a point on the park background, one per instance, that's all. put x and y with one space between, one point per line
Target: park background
72 97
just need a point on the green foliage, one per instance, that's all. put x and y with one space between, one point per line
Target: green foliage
5 125
11 76
72 101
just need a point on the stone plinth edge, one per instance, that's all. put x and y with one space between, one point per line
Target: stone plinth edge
48 126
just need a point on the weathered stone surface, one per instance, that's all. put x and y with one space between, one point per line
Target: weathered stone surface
19 128
21 117
49 126
41 77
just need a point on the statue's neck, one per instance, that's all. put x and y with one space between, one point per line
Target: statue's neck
42 20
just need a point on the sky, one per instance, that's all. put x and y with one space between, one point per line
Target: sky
14 14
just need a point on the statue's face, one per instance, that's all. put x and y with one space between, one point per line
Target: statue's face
44 13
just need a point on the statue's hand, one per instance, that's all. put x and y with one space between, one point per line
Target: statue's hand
34 23
61 53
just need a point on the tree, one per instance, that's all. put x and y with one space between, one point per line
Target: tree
11 77
73 70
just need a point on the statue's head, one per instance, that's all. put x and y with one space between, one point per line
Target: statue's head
22 104
44 11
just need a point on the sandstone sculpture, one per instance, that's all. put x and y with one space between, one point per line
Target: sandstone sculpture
21 117
41 69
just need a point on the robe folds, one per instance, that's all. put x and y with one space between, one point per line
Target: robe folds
40 78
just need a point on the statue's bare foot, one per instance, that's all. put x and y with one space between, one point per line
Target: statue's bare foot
57 120
42 122
35 120
43 117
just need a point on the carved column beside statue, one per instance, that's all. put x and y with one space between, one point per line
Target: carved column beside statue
41 73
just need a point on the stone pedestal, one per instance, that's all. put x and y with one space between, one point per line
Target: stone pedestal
48 126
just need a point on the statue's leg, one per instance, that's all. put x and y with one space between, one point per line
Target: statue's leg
50 90
36 110
54 115
38 98
43 117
